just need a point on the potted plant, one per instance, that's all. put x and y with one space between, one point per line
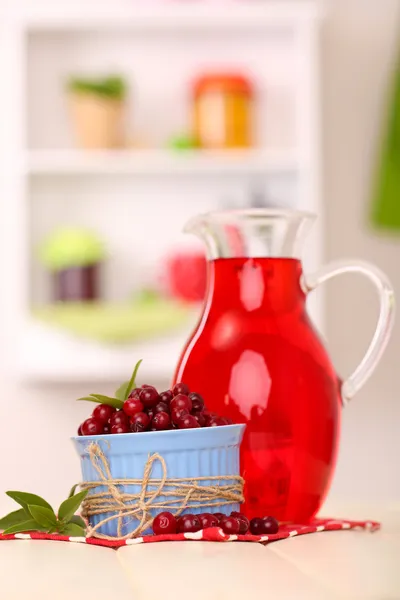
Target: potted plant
73 256
97 108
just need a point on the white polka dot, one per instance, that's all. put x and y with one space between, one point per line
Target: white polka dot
232 538
320 528
138 540
369 525
196 535
79 540
23 536
264 538
293 533
346 526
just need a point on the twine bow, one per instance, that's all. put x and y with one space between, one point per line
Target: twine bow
177 495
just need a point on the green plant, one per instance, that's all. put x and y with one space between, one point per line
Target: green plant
121 394
36 514
70 247
113 87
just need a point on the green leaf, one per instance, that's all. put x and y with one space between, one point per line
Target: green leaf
73 490
125 389
44 516
73 529
29 525
78 521
14 518
23 498
69 507
100 399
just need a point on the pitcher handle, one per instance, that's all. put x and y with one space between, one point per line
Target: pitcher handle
385 321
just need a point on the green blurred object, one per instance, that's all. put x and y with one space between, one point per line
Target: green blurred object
182 142
386 198
116 323
113 86
71 247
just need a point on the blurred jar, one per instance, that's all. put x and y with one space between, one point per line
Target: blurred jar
222 111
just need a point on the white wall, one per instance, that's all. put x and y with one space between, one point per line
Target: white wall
35 450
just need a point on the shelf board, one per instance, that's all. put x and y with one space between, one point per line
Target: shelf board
50 15
142 162
49 355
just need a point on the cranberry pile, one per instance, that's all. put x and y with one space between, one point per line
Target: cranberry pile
147 410
234 524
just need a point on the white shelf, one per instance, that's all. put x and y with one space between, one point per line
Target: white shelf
53 356
169 15
42 162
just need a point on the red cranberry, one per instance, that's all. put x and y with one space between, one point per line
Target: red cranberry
119 418
216 422
177 414
92 427
139 422
181 401
122 428
200 419
103 412
80 430
146 385
135 393
197 402
243 521
225 421
189 524
166 396
180 388
106 428
270 525
149 397
161 421
208 520
161 407
256 526
150 412
188 422
163 523
209 416
219 516
230 525
132 406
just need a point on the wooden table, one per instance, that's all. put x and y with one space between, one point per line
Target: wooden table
348 565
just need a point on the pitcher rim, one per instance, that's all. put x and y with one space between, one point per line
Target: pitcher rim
238 213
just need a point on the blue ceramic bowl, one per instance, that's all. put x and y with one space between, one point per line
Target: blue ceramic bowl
205 452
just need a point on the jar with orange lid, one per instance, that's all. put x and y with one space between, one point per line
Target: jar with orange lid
222 111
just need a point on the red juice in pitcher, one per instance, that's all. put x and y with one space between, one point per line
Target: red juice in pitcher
256 358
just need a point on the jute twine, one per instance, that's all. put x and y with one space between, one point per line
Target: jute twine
177 495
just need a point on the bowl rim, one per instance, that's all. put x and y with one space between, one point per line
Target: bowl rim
194 431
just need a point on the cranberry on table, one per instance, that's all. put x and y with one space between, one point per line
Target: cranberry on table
149 397
164 523
161 407
106 428
119 418
139 422
166 396
181 401
197 402
121 428
256 526
92 426
208 520
132 406
180 388
189 524
219 516
243 521
270 525
230 525
188 422
103 412
177 414
161 421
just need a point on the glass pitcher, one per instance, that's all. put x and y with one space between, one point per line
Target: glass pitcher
256 357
